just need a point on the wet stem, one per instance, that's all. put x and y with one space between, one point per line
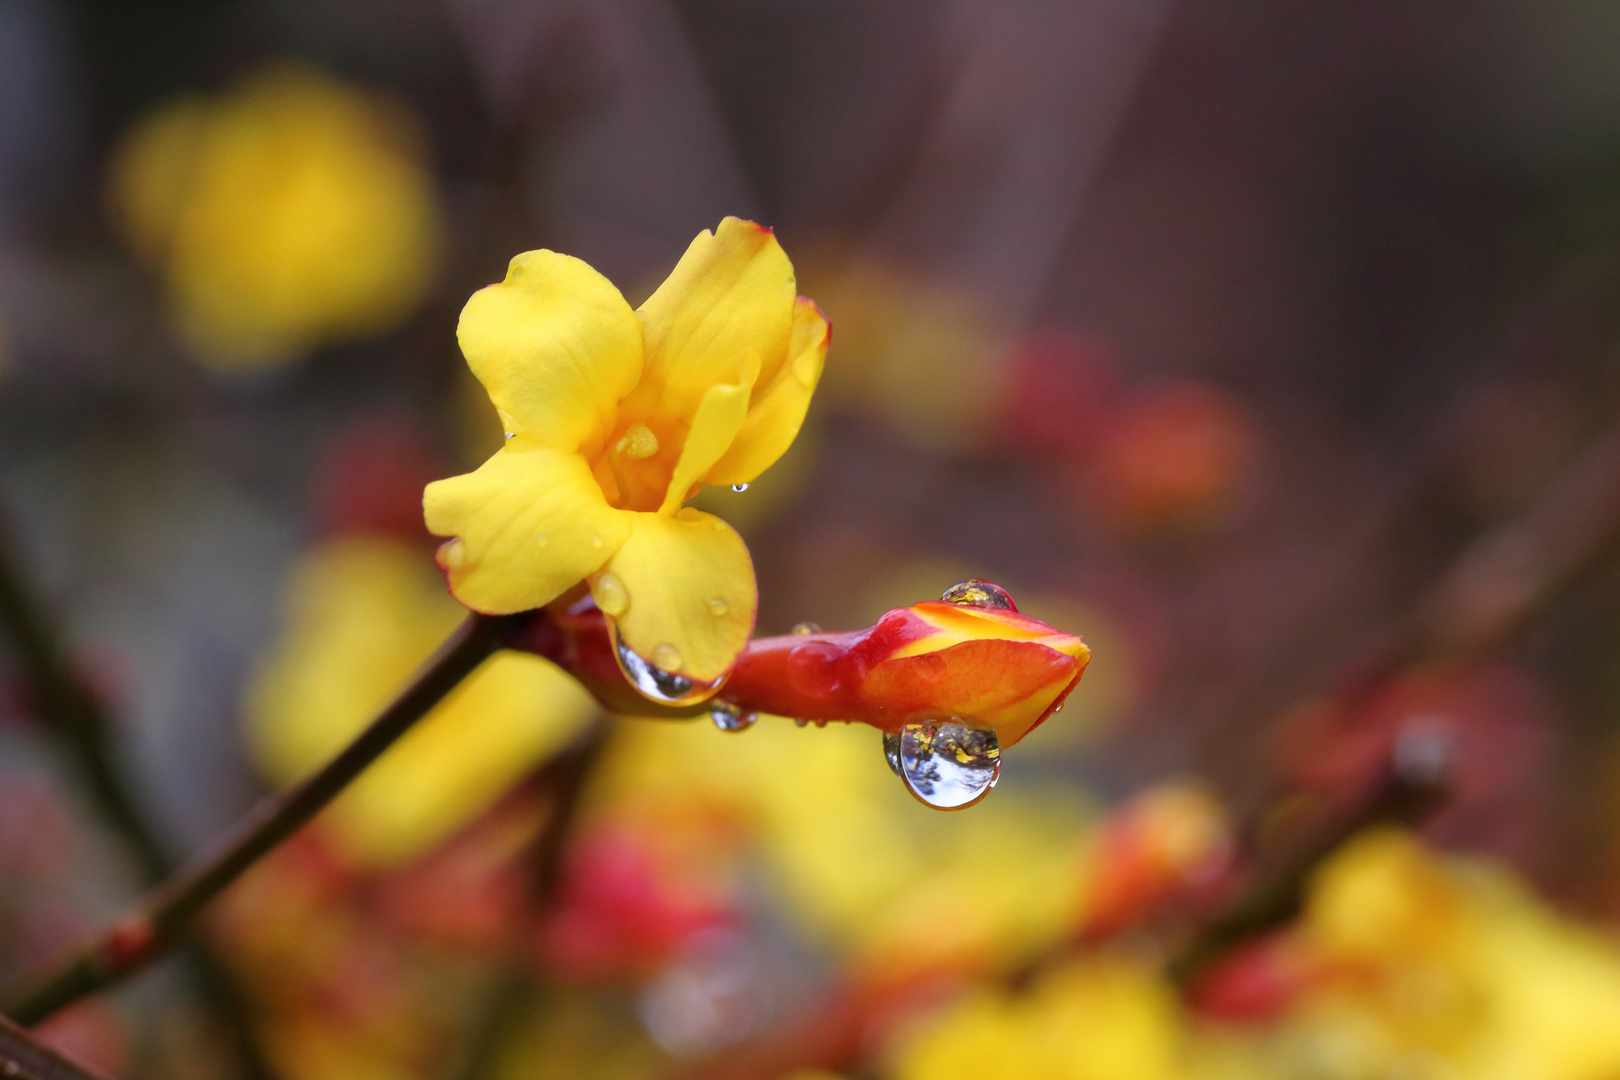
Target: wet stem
169 912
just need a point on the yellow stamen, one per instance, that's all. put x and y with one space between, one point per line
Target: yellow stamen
638 442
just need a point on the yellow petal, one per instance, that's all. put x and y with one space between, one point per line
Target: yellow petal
691 592
729 298
720 415
556 346
529 524
778 411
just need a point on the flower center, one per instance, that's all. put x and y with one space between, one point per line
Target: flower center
638 443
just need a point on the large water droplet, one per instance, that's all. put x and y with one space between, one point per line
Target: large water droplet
718 606
805 628
611 595
739 488
891 751
976 593
729 717
655 681
947 765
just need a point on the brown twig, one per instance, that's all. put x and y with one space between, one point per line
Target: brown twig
564 778
23 1057
168 913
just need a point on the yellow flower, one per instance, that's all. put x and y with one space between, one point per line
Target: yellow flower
363 612
614 418
286 213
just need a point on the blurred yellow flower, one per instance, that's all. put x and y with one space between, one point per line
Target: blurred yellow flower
1437 966
892 888
286 213
1100 1019
614 418
362 613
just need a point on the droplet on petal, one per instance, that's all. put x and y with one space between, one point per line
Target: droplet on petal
718 606
976 593
452 555
656 682
610 594
729 717
739 488
801 723
667 656
540 538
805 628
947 765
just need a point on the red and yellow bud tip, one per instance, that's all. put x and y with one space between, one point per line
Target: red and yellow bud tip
987 667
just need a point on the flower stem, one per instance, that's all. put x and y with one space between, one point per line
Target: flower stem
167 914
22 1057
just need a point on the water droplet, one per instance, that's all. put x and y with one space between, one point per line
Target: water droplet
801 723
947 765
689 515
739 488
718 606
452 555
655 682
976 593
813 668
667 656
596 540
540 538
610 594
729 717
509 434
891 751
805 628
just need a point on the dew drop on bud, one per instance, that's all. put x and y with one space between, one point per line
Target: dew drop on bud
801 723
729 717
947 765
739 488
976 593
805 628
611 596
653 680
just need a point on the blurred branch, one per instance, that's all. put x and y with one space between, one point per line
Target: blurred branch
1506 577
22 1057
72 714
1499 584
167 914
564 778
1411 786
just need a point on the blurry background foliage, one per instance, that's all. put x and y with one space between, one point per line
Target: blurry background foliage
1213 329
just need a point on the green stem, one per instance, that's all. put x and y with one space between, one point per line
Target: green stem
168 913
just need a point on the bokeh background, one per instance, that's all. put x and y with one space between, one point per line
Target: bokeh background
1214 330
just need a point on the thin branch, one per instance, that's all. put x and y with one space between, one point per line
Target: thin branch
168 913
23 1057
564 777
